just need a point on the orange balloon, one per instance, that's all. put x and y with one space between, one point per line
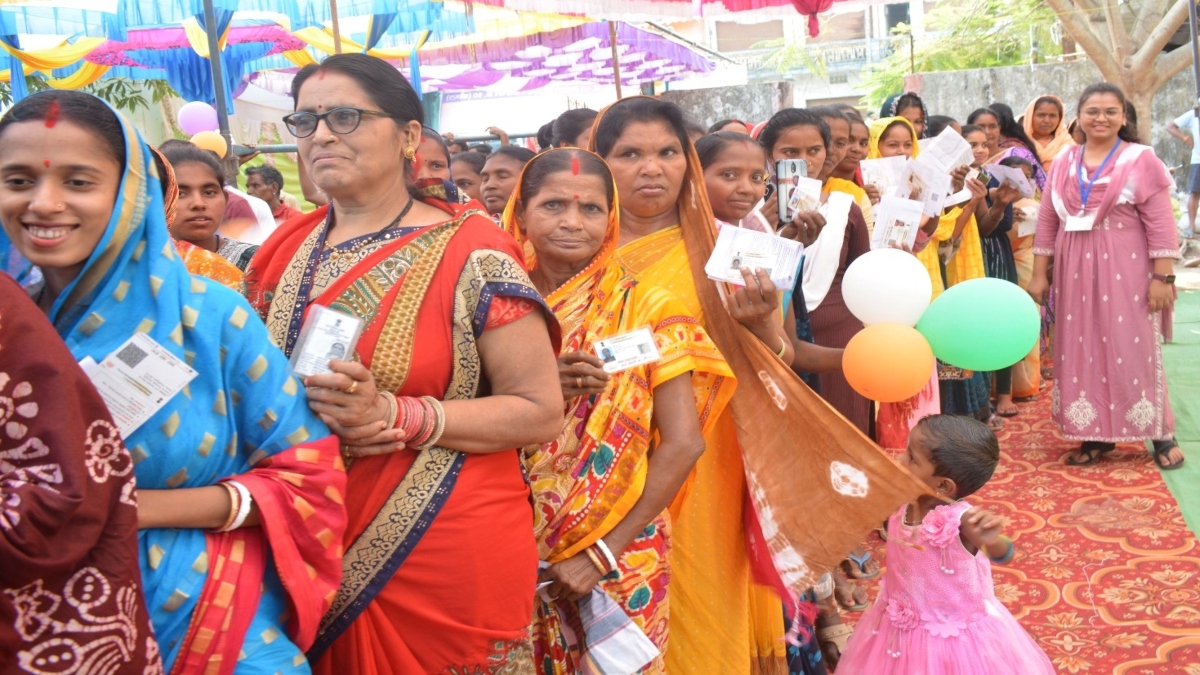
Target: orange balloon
888 362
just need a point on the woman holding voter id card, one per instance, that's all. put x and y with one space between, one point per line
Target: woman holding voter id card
726 614
239 486
631 358
454 370
1107 224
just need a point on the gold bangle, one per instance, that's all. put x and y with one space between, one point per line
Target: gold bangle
393 409
782 347
235 503
439 423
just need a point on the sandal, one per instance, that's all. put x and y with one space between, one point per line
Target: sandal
836 637
995 424
849 596
1159 452
855 566
1089 453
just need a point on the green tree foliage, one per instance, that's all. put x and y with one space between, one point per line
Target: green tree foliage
962 35
123 93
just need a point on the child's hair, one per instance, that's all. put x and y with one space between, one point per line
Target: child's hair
475 160
962 449
936 124
972 129
1016 162
709 147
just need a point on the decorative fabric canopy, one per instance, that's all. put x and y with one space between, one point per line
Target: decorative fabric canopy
660 10
579 54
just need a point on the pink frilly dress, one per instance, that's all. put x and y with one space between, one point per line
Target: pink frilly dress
937 612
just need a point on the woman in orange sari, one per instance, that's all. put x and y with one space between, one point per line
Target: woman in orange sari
200 262
631 437
454 371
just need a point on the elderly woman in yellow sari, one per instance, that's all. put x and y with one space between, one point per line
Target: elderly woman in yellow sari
632 436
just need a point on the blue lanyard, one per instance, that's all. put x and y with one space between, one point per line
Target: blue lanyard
1085 191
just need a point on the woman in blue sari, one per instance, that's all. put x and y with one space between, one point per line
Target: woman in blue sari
240 485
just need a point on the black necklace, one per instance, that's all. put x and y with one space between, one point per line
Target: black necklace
351 254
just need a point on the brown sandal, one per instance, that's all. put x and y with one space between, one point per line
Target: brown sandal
837 636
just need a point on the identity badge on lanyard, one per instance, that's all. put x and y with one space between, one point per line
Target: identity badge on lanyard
1082 221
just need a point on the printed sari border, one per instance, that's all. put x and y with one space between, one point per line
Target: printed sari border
429 484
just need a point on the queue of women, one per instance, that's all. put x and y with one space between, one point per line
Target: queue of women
377 518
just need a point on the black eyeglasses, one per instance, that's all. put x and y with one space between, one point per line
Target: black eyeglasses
339 121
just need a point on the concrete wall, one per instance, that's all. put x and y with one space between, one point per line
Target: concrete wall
750 102
957 93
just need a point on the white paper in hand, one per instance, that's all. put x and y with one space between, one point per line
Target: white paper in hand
1012 175
1029 209
927 184
947 151
883 173
897 222
738 247
137 380
624 351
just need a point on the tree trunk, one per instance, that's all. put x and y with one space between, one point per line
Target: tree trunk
1143 102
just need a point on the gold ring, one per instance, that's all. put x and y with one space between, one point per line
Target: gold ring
578 382
353 387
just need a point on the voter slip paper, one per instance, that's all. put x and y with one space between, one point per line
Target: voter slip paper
737 248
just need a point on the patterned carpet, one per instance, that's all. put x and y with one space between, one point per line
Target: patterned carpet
1107 575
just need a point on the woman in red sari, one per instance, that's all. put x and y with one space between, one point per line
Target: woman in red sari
454 371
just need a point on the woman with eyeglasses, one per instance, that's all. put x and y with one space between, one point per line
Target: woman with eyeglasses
1107 225
455 369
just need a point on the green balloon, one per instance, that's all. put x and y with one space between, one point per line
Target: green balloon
982 325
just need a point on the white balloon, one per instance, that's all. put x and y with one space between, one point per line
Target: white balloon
887 285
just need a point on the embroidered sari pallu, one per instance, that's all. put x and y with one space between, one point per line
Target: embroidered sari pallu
440 564
250 598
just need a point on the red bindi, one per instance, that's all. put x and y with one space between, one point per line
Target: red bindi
575 167
576 197
46 163
52 115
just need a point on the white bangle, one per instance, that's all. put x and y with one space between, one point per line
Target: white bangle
608 555
243 505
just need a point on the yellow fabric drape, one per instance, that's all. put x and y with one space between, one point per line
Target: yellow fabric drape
198 39
88 73
58 57
299 57
322 39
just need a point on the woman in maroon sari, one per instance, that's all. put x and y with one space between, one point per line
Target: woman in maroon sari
455 370
72 593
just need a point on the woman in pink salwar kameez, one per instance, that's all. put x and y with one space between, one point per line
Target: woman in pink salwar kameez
1110 231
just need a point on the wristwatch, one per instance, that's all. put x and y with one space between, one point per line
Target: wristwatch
1165 278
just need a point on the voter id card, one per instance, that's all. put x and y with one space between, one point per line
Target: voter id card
327 335
751 261
137 380
624 351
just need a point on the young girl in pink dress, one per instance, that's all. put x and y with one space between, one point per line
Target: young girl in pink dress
937 612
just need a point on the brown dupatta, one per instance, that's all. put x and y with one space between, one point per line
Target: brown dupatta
788 431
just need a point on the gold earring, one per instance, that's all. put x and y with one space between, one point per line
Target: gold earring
410 153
